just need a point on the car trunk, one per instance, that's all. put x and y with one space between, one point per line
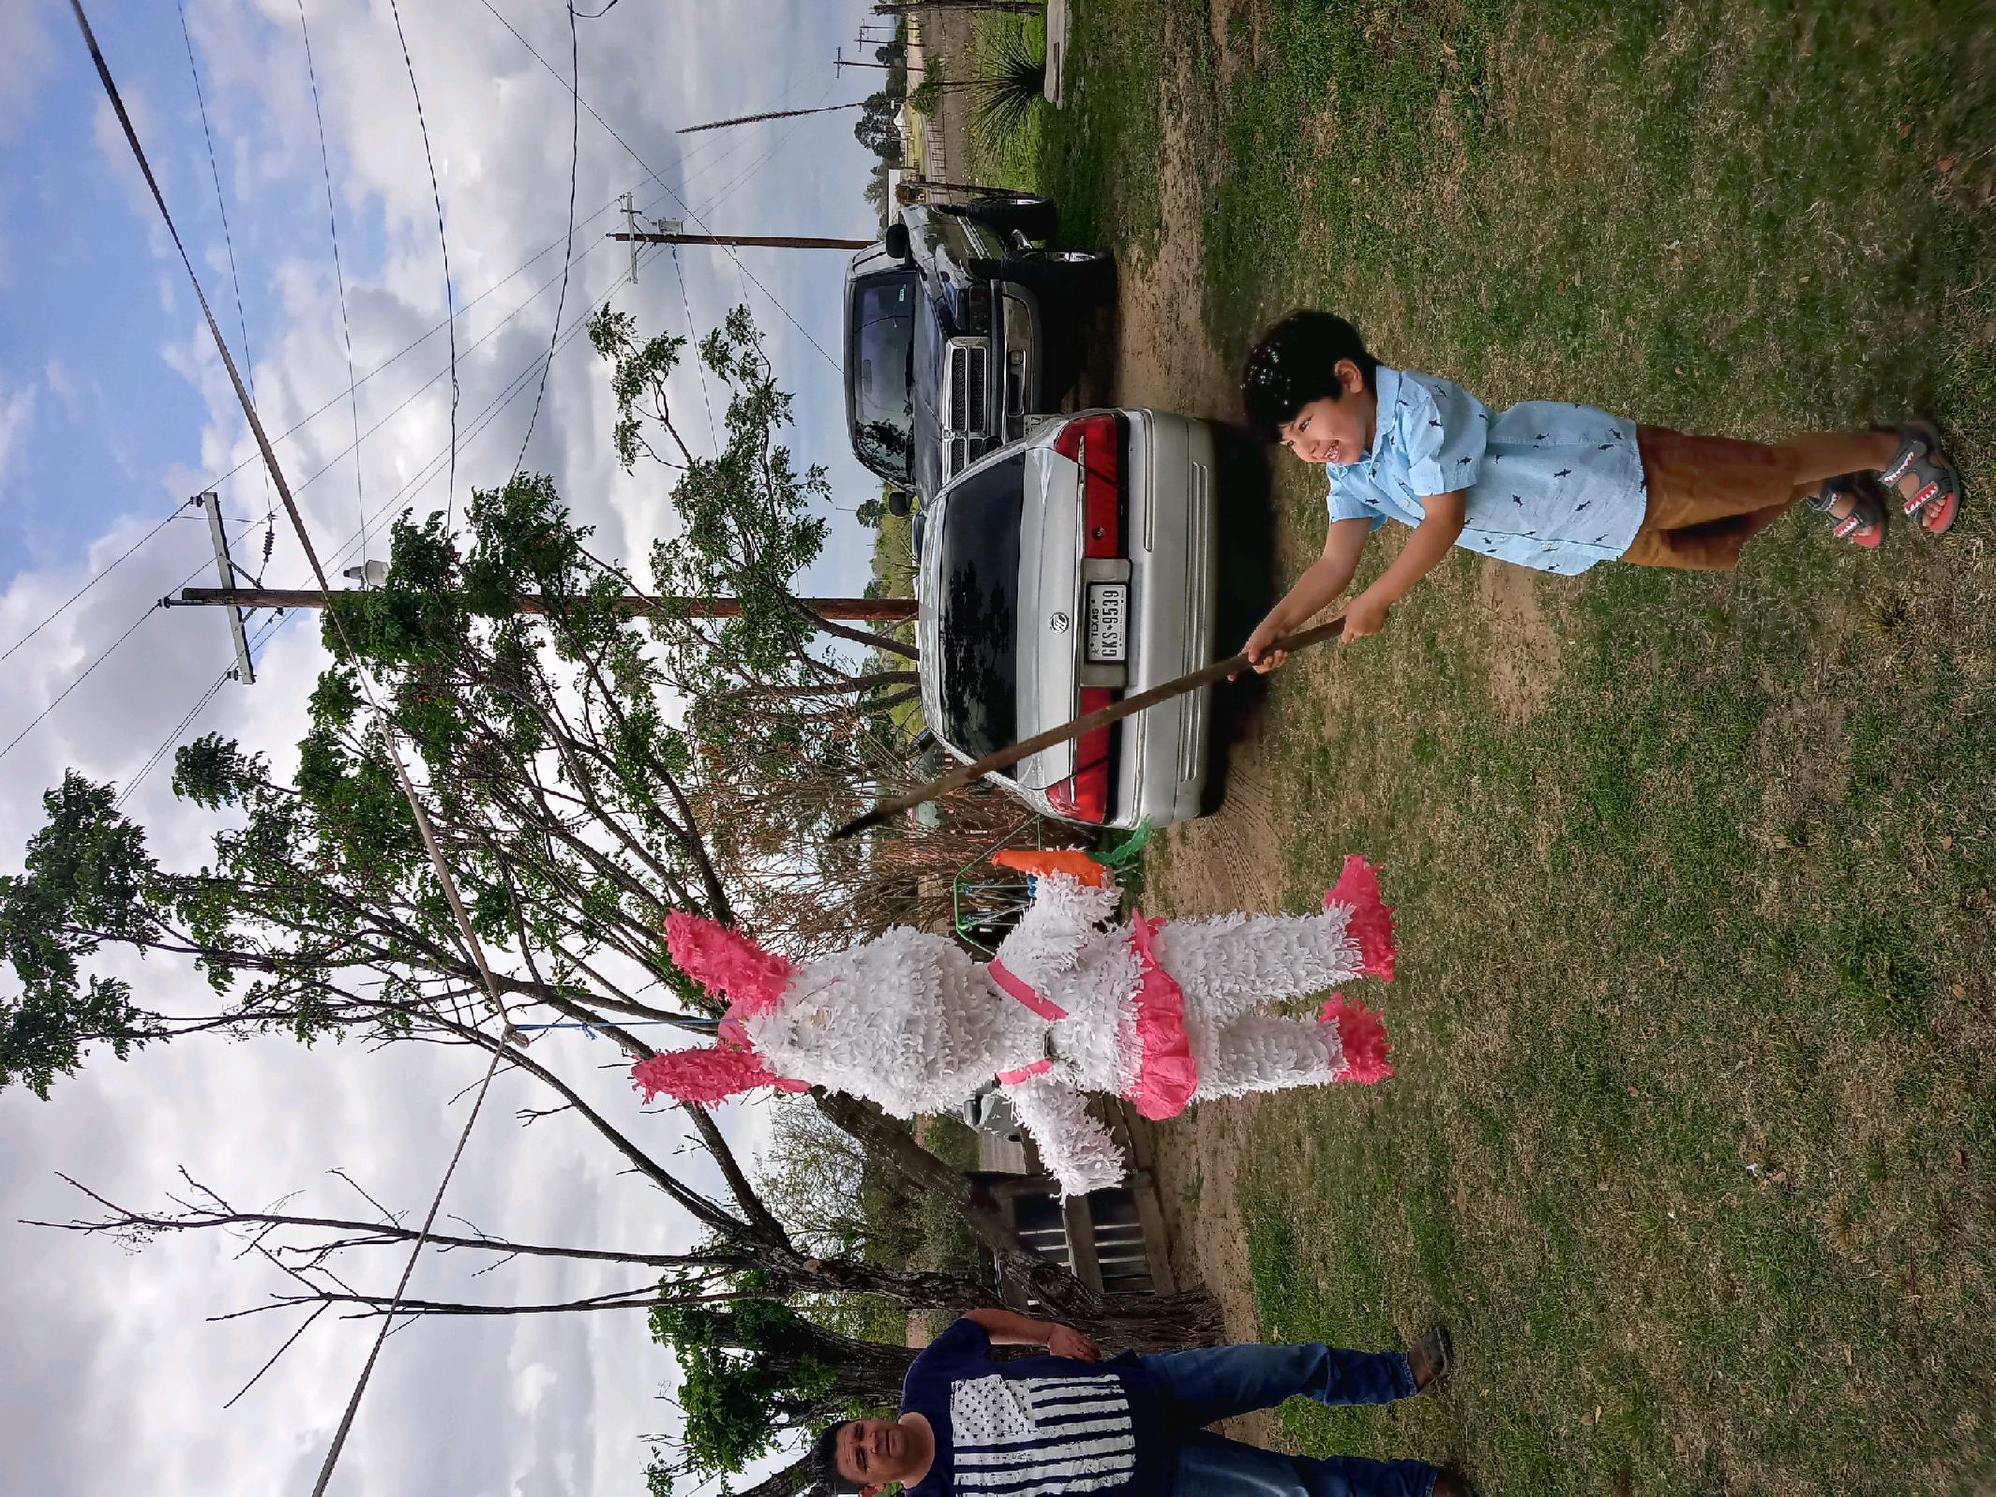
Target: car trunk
1074 609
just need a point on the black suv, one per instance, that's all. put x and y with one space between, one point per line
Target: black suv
951 337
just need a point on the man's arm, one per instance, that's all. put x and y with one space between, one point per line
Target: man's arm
1010 1328
1425 548
1318 587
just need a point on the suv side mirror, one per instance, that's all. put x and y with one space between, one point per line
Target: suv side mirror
897 503
895 241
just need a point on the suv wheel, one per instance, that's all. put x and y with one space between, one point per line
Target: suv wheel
1015 213
1088 274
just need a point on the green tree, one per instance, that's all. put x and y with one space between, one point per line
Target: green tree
577 809
879 126
569 805
757 1372
84 871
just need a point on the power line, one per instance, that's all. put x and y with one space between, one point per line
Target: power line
685 301
415 343
516 387
416 393
510 392
166 744
437 195
714 162
105 654
85 676
96 578
269 627
473 946
574 164
222 207
684 208
339 276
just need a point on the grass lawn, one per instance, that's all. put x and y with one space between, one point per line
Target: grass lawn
1694 1143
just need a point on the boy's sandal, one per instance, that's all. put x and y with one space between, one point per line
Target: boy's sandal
1863 522
1933 494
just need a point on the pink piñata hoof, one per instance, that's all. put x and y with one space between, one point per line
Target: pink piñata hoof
1372 918
1362 1033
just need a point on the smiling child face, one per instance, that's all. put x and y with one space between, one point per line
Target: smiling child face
1334 431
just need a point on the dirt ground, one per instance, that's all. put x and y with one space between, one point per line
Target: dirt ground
946 37
1223 862
1232 860
1162 356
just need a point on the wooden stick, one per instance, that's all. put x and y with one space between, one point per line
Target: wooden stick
1004 758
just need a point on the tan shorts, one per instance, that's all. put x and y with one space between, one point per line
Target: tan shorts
1708 496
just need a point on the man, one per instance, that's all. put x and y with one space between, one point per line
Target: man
1069 1422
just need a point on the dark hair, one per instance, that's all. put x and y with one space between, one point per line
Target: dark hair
825 1460
1295 363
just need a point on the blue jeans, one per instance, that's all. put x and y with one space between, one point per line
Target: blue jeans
1220 1381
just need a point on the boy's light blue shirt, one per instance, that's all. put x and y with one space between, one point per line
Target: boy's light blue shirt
1547 485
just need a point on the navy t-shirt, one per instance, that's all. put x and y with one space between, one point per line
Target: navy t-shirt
1037 1426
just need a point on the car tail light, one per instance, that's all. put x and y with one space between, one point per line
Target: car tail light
1084 795
1096 443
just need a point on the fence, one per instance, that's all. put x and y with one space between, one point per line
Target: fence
1114 1241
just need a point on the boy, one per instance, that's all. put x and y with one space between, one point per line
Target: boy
1546 485
1069 1423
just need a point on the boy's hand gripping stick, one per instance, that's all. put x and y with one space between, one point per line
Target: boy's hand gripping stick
1004 758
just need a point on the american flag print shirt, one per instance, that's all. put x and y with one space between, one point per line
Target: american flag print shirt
1037 1437
1039 1426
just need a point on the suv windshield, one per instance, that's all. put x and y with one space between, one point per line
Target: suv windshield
978 607
880 363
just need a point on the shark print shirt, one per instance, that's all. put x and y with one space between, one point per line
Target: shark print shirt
1036 1426
1547 485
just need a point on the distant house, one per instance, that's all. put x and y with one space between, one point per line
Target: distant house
1113 1240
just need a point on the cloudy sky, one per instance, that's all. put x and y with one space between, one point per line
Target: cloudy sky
113 410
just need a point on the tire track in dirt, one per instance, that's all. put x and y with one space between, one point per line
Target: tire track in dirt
1230 860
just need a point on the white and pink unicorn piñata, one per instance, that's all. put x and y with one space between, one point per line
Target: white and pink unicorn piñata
1162 1013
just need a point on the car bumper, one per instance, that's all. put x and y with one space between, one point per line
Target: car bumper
1022 356
1161 768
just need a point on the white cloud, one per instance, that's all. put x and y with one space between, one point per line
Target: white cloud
109 135
103 1341
27 56
17 413
55 374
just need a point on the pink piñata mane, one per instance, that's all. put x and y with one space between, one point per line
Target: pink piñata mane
727 963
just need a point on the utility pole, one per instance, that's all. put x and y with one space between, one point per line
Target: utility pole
915 8
841 61
756 119
631 225
638 236
631 605
244 672
767 241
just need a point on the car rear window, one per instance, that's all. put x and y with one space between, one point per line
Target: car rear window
978 607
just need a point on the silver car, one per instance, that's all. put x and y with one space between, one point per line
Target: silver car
1058 574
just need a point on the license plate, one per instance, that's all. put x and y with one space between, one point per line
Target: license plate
1108 620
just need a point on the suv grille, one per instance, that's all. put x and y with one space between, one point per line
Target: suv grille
960 452
969 374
